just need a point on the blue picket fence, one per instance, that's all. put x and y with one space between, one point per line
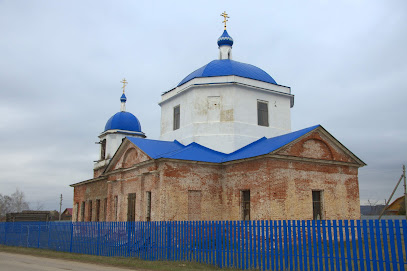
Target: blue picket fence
265 245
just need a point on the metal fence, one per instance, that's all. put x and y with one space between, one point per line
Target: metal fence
265 245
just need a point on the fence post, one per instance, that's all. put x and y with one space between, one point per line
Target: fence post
70 245
27 243
168 239
39 234
49 234
98 240
218 245
128 227
5 233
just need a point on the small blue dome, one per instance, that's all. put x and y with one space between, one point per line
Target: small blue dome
123 98
227 67
225 39
123 121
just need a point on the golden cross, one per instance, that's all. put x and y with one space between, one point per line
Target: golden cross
225 16
124 83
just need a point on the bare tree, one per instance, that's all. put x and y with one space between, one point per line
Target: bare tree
375 207
19 202
5 205
14 203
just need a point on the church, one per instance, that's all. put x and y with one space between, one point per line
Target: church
226 152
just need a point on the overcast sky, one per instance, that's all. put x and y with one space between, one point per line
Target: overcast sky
61 63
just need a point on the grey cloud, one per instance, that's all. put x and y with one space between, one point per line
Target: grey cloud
62 62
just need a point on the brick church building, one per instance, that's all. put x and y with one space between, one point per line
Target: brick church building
226 152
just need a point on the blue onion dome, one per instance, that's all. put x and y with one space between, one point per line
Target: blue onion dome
225 39
123 121
123 98
226 67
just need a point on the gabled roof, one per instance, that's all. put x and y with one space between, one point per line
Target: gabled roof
195 152
68 210
396 204
157 149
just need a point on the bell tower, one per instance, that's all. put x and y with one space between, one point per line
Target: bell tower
119 126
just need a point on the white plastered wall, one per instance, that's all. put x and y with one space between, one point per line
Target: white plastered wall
113 140
221 112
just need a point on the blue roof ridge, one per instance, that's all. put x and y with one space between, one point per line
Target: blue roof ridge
308 129
311 128
171 153
268 145
245 147
294 134
179 143
259 147
159 155
148 139
203 147
192 145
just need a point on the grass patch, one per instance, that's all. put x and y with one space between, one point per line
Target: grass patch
131 263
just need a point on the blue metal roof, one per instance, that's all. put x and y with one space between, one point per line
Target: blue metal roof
225 67
225 39
156 148
196 152
267 145
123 121
123 98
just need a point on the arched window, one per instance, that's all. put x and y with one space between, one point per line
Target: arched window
103 150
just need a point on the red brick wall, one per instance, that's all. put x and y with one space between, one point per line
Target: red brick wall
89 192
280 184
283 189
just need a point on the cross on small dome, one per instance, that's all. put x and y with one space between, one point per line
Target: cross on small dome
123 98
123 120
